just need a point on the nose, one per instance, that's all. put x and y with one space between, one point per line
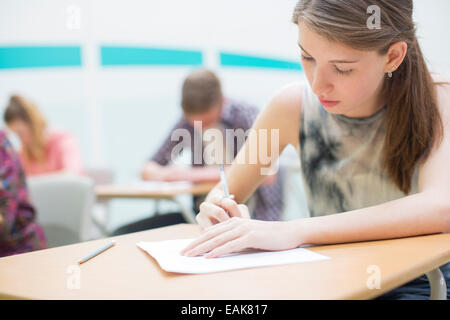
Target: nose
320 84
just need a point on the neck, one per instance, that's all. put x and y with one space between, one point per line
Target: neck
369 108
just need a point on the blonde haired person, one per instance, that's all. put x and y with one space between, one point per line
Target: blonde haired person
44 150
373 130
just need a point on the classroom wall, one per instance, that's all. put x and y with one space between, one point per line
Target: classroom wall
120 112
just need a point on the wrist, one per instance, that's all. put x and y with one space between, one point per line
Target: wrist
303 231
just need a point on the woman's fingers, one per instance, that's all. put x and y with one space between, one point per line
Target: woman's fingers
211 233
231 207
213 243
213 213
210 214
232 246
244 211
234 209
204 221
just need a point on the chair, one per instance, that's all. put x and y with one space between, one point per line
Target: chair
100 175
101 214
63 204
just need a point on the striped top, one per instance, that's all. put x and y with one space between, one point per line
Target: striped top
341 160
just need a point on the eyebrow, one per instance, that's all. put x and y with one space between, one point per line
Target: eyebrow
331 61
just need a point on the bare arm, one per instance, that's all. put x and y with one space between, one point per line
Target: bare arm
427 212
152 171
282 113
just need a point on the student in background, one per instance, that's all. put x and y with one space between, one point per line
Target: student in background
19 231
203 103
44 150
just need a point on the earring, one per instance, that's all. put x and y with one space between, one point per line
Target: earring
390 74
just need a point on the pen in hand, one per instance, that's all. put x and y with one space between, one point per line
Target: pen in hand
224 181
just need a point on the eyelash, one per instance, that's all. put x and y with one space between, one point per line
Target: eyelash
343 72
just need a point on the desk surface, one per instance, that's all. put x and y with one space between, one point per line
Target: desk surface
126 272
139 191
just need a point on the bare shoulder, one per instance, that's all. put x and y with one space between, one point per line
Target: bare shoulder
443 97
283 113
288 99
433 172
284 106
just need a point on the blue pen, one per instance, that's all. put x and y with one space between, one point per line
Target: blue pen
98 251
224 181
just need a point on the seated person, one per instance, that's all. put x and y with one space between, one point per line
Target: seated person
44 150
202 100
19 231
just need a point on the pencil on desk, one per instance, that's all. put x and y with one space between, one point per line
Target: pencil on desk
97 252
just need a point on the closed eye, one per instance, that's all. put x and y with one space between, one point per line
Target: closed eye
342 71
339 71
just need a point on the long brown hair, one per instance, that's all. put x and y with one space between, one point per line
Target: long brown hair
23 109
413 121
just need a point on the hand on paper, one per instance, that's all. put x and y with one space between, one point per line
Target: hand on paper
236 234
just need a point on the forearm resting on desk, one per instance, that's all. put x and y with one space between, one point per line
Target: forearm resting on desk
414 215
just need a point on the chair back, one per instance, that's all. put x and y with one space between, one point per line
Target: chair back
63 204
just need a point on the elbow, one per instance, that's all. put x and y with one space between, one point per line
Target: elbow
445 217
446 220
438 203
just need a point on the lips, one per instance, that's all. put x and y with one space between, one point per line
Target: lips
329 103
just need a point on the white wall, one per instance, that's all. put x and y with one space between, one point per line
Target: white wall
120 114
432 23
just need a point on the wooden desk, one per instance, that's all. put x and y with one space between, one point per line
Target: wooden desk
127 272
134 191
108 192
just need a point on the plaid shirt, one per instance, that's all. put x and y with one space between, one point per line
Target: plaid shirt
19 231
235 115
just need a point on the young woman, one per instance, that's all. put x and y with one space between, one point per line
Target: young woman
19 231
44 150
373 130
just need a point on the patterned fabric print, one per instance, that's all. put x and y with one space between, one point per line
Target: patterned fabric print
342 171
19 232
341 160
235 115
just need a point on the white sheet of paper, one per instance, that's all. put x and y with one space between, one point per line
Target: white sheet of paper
167 254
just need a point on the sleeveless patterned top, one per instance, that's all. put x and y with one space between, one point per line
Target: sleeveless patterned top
341 160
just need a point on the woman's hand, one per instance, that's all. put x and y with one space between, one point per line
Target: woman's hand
237 234
218 209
